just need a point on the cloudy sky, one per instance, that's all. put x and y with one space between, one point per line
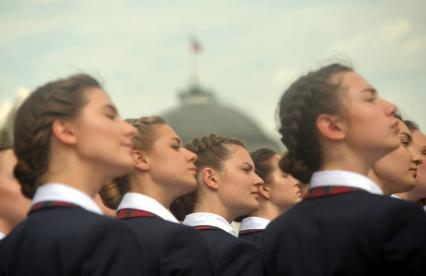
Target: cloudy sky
252 50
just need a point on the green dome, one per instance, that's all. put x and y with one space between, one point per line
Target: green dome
199 114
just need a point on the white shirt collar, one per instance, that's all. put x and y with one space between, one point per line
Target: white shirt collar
61 192
344 178
146 203
203 218
2 235
250 223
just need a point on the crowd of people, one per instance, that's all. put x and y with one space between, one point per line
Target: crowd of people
84 192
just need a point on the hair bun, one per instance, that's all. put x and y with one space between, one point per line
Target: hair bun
296 167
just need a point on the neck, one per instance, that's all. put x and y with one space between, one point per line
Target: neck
143 184
5 227
343 157
212 205
268 210
76 175
409 196
348 163
381 183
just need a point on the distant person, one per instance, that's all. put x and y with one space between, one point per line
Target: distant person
418 193
226 190
335 128
396 171
164 170
277 194
13 205
69 140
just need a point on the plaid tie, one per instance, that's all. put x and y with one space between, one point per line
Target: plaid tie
205 227
329 191
133 213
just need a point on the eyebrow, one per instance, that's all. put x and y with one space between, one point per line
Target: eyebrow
370 90
177 140
111 108
251 167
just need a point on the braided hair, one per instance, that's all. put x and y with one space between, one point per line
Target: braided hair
60 99
299 107
212 151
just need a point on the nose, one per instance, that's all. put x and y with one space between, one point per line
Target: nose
257 180
415 157
390 108
129 129
192 157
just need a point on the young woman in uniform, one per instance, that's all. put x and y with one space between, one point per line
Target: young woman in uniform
68 141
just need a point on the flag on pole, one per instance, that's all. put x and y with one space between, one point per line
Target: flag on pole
196 46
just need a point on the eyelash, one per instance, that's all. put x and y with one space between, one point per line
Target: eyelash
247 170
176 147
405 143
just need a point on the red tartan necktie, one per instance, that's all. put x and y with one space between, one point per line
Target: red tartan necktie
129 213
329 191
205 227
51 204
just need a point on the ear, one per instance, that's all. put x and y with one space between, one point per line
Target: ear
63 132
331 127
264 191
209 178
140 160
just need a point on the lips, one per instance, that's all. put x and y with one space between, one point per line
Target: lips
414 171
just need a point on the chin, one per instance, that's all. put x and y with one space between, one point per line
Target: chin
253 207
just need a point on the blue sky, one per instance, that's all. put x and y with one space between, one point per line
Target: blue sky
252 49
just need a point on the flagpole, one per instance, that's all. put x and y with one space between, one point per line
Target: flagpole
195 50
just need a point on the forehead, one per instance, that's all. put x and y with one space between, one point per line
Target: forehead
353 82
97 97
164 131
419 138
238 155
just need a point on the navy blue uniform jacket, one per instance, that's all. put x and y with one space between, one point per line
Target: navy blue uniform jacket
350 234
232 256
170 248
69 241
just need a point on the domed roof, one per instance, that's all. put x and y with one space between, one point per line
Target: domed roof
200 114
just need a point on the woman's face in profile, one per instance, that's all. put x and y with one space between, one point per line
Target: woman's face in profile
14 206
283 188
398 169
370 122
238 182
103 139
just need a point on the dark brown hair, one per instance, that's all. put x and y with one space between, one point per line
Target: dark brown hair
412 126
60 99
212 151
299 107
113 191
262 162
